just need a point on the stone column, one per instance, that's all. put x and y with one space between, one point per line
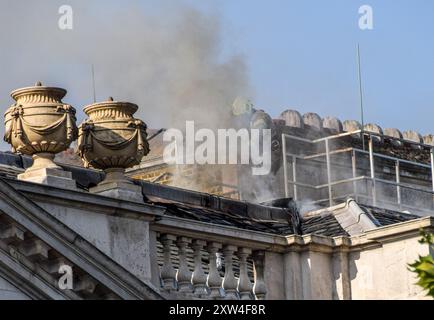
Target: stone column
198 278
214 280
293 276
259 288
244 284
229 282
111 139
183 276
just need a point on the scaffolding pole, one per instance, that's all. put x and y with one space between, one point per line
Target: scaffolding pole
354 168
329 172
285 166
432 169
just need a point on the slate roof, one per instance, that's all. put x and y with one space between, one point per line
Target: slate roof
387 217
34 242
218 210
405 151
325 225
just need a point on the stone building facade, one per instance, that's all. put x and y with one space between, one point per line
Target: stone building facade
120 238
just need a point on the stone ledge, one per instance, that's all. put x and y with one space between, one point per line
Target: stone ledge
78 198
119 190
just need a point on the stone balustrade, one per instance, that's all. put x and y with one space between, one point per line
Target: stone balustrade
201 269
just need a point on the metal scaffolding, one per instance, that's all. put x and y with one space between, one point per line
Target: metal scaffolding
292 162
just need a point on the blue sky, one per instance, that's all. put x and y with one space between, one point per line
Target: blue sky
298 54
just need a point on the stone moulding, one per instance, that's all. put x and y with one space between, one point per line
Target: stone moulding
40 124
39 121
111 139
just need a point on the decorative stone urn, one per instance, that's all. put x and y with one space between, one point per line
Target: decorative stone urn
40 124
111 139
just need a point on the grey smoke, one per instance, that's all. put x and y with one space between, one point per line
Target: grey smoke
167 60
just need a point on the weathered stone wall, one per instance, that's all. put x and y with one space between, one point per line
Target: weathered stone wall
381 272
125 240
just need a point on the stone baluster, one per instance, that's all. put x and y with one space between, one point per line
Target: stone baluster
259 288
244 283
214 280
198 278
229 282
168 272
183 276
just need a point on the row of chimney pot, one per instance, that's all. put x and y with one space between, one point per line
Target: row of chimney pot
39 124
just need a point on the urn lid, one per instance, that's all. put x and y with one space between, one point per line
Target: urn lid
39 89
127 108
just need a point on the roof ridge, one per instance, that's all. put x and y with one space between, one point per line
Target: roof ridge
211 201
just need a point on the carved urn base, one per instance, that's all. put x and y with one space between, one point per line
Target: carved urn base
117 185
113 140
45 171
40 125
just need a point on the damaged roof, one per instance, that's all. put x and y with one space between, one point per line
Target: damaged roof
387 217
325 225
239 214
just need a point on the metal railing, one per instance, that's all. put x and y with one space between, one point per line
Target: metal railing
355 152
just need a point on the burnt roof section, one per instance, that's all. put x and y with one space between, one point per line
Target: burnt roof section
405 150
323 225
85 178
224 219
218 210
387 217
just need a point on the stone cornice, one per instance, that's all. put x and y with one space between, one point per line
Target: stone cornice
396 231
68 244
226 234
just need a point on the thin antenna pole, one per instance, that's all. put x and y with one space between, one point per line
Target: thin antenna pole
361 93
93 84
